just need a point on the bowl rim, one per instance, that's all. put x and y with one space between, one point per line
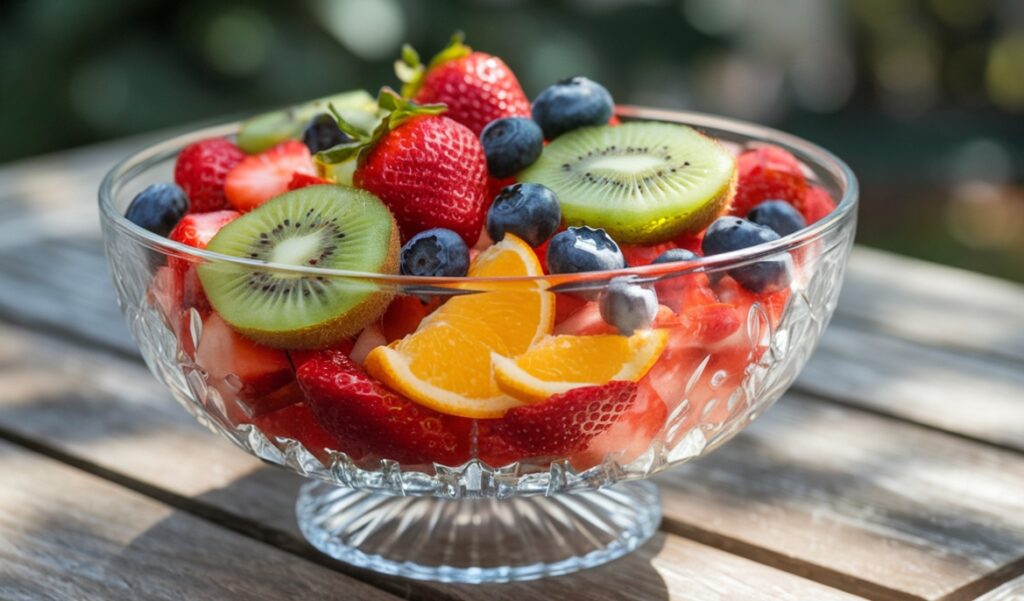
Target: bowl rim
808 152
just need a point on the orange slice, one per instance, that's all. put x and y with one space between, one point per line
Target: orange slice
521 312
561 363
446 363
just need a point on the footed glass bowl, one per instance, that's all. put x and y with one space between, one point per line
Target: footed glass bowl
494 500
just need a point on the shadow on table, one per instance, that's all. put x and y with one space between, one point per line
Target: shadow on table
262 505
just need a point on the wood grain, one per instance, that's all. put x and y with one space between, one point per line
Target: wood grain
876 507
951 390
109 416
865 498
1010 591
65 534
934 304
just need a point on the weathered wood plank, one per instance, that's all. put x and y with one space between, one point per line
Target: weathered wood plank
933 304
981 397
881 501
110 413
65 534
876 507
1010 591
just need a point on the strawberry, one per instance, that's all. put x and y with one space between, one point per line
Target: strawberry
631 434
477 87
297 422
642 254
816 204
690 242
260 177
587 321
767 172
240 369
301 180
363 413
196 230
428 169
564 423
403 316
201 169
494 185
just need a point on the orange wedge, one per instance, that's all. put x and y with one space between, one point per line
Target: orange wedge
561 363
522 313
446 363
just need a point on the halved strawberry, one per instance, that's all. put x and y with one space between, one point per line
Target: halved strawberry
587 321
260 177
201 169
196 230
816 204
297 422
631 435
767 173
774 303
362 413
243 371
403 316
301 180
643 254
564 423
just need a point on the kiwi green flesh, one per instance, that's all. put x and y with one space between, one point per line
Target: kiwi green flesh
326 226
643 182
261 132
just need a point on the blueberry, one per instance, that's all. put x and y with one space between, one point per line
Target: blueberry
437 252
732 233
583 248
511 145
323 133
529 211
779 215
572 103
675 255
158 208
628 306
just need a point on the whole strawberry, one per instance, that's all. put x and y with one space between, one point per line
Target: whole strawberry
767 173
477 87
201 170
429 170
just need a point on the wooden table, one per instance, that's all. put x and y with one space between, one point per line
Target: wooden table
894 469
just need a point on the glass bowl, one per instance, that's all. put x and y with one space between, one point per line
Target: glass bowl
470 512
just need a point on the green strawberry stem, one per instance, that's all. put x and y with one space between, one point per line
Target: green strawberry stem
398 111
411 70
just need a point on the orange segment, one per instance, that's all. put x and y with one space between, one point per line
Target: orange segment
521 313
446 363
561 363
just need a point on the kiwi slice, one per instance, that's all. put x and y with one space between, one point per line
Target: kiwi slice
643 182
327 226
263 131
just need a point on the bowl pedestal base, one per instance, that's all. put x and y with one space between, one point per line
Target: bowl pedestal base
478 540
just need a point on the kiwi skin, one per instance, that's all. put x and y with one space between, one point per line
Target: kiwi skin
344 326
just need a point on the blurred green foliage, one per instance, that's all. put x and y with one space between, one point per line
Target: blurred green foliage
924 98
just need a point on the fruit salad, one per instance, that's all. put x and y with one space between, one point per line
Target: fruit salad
453 272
